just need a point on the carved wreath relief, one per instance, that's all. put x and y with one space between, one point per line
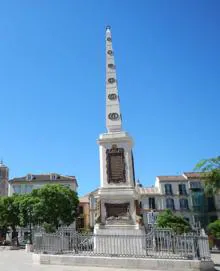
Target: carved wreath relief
115 165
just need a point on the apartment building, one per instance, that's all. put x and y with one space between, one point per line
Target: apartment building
25 184
184 195
83 219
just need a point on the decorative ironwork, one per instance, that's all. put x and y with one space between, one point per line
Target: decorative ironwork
158 243
115 165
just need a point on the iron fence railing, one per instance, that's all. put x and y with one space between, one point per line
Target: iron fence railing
156 244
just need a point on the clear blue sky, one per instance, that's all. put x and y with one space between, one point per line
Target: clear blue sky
52 83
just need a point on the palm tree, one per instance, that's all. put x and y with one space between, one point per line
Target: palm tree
210 169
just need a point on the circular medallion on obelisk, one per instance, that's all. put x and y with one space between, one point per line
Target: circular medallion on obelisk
111 66
113 116
111 80
112 96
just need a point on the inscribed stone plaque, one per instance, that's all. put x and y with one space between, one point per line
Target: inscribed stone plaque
115 210
115 165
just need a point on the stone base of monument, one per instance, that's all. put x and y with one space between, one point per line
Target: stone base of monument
119 240
29 248
123 262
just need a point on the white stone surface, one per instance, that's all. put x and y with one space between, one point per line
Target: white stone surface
122 140
112 106
127 263
21 261
115 241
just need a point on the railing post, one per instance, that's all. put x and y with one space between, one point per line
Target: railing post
203 246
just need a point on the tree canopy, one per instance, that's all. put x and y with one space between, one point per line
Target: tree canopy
9 211
214 229
167 219
51 206
210 169
55 205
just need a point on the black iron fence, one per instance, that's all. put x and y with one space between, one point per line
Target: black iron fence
156 244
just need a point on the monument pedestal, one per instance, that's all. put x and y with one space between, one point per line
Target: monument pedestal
119 240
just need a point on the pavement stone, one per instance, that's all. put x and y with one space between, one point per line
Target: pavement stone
19 260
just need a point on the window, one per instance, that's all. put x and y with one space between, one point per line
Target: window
152 203
80 223
17 189
211 204
187 219
184 204
29 177
168 189
182 189
195 185
170 204
80 210
29 188
198 199
151 217
53 176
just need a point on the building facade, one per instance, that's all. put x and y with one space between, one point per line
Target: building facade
83 219
184 195
26 184
4 175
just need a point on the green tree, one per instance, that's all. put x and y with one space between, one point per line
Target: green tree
9 213
54 205
167 219
214 229
210 173
28 212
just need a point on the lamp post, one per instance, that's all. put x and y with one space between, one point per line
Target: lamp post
30 227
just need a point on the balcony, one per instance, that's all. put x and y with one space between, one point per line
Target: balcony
182 193
169 193
195 186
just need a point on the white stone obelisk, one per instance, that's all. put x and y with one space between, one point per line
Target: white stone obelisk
117 197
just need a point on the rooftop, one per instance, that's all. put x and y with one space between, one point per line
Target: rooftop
192 175
44 177
84 199
148 190
172 178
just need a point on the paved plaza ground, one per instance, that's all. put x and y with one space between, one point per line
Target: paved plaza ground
19 260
